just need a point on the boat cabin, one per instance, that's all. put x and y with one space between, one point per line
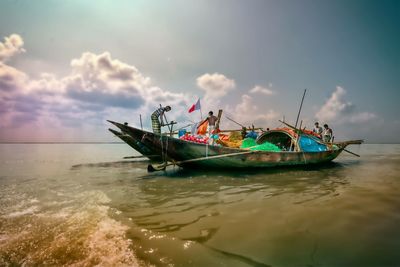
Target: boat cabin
287 140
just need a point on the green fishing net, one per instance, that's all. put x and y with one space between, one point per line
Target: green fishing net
251 143
266 147
248 142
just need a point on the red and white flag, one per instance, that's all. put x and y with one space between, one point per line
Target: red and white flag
195 106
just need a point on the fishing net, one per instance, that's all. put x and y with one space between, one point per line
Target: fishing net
248 142
266 147
252 145
233 144
235 136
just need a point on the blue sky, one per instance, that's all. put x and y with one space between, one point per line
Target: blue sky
74 64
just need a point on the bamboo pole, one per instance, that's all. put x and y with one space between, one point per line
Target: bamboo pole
301 105
235 122
227 131
152 168
219 119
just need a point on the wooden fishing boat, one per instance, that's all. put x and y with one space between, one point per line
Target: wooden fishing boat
296 149
135 143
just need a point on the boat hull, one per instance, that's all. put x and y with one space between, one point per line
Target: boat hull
134 141
179 151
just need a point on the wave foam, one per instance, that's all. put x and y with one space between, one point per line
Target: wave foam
30 210
80 233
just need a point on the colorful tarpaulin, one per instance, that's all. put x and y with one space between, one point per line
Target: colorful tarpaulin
310 144
202 129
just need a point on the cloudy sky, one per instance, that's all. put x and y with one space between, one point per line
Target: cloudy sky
67 66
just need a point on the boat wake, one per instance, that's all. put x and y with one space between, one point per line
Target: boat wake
115 164
68 230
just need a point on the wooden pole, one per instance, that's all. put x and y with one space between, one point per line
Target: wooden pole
290 126
139 157
296 144
168 124
350 142
235 122
219 119
141 125
301 105
233 130
151 168
201 113
165 117
351 152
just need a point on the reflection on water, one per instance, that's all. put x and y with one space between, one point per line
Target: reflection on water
87 209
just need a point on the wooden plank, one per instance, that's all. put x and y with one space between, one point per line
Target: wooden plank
219 119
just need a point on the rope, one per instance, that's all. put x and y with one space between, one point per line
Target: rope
304 157
164 153
166 148
162 148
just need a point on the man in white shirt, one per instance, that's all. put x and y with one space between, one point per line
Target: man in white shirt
317 129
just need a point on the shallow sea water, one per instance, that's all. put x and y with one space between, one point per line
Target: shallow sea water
82 205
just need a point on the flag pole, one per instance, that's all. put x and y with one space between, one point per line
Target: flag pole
201 113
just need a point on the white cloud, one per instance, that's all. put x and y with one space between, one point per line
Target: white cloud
97 87
335 106
338 110
362 117
100 80
247 113
103 80
103 67
11 46
11 79
215 85
261 90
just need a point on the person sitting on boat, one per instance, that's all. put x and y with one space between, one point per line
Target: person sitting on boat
317 129
212 120
252 134
327 134
243 132
156 117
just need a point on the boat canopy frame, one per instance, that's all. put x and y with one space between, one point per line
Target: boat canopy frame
282 138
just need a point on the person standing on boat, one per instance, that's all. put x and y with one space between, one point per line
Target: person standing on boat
327 134
317 129
156 117
212 120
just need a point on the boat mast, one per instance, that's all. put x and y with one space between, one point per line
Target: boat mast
301 105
